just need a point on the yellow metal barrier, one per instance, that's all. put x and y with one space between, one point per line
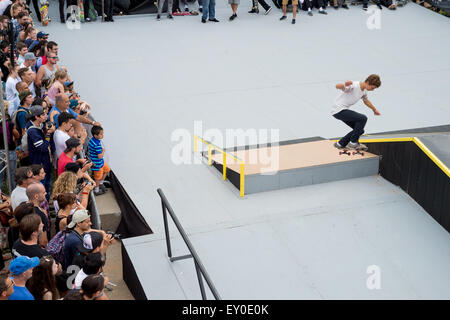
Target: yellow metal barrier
224 153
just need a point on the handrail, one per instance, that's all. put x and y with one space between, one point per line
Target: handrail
198 264
224 153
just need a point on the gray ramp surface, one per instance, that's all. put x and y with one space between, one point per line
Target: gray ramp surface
145 79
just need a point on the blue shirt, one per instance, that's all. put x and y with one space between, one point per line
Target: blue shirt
95 148
21 293
71 243
21 119
55 118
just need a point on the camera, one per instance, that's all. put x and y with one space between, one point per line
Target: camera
115 235
49 125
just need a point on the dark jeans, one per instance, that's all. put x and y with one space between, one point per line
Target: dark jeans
313 3
109 6
354 120
36 8
262 3
367 1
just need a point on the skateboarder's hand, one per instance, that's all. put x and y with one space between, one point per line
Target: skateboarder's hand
376 112
348 83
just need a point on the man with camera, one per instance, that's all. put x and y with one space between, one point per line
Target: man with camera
38 146
73 149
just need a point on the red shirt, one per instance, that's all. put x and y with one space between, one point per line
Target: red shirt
62 161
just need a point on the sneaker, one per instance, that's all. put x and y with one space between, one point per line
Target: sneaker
87 19
203 20
254 10
200 9
268 11
194 13
310 13
336 7
233 17
102 188
379 6
214 20
99 193
357 146
169 16
293 21
283 17
322 12
345 6
338 146
158 17
365 7
186 9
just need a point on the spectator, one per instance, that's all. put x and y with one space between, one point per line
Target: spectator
62 105
28 76
294 10
22 49
81 223
42 284
22 270
38 146
343 4
263 4
234 5
39 50
51 47
42 36
93 265
365 2
93 242
26 99
21 211
36 9
48 69
58 85
29 244
308 5
23 178
38 173
73 149
67 183
12 136
62 133
36 195
13 79
15 102
6 287
169 9
91 289
78 170
4 56
30 61
100 168
109 5
209 8
67 205
20 19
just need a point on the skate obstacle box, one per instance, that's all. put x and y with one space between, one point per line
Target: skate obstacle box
286 164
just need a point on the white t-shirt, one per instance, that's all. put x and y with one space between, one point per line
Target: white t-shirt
18 196
60 137
11 88
79 279
348 97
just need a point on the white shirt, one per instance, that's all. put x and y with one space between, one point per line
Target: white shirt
60 137
32 89
79 279
11 88
18 196
348 97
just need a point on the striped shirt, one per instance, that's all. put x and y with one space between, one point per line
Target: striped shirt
95 148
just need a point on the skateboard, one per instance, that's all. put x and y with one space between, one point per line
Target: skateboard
44 12
181 13
80 13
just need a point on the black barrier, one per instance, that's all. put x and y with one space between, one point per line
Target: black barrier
406 165
440 4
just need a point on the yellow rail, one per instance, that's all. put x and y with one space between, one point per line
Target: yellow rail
211 146
419 143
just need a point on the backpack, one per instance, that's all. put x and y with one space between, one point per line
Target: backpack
24 141
14 116
56 245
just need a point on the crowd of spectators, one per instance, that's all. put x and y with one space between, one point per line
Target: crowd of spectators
54 167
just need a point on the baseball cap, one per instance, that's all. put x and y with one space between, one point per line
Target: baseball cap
29 56
41 34
36 111
24 94
72 143
21 264
68 83
78 216
91 241
73 103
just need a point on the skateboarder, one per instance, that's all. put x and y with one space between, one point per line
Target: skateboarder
352 91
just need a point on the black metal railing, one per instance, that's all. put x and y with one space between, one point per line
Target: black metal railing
198 264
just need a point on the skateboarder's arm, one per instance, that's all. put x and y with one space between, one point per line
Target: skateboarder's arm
371 106
341 86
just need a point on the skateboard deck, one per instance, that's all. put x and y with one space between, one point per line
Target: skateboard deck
80 13
44 12
349 151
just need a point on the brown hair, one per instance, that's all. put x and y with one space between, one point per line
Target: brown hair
66 183
374 80
29 224
22 210
65 199
43 279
